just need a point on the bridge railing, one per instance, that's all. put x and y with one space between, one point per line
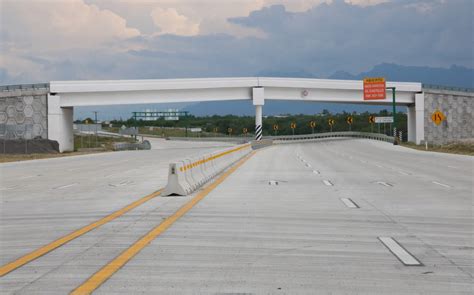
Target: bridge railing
309 137
24 86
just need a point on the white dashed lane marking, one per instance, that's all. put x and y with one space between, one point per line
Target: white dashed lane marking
403 255
328 183
349 203
384 183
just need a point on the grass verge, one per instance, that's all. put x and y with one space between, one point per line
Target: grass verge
459 147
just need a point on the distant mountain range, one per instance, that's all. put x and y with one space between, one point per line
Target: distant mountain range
455 76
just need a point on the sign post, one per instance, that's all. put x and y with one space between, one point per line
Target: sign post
312 124
331 123
372 121
375 88
349 121
394 113
293 127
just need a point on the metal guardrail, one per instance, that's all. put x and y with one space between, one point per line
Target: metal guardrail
239 140
450 88
24 86
308 137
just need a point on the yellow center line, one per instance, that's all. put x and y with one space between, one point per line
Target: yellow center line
5 269
97 279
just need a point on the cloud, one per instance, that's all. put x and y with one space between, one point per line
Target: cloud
162 39
171 22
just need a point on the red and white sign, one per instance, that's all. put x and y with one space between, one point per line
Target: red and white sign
374 88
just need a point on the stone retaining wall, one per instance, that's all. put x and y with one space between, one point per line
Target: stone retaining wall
24 114
457 107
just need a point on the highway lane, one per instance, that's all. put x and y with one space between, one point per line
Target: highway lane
298 237
42 200
273 226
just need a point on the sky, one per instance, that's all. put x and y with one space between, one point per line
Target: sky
45 40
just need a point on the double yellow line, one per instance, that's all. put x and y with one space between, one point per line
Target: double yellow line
5 269
200 162
108 270
112 267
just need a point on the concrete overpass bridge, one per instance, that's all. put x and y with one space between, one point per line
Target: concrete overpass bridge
65 95
46 110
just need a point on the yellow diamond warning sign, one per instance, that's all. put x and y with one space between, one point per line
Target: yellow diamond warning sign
438 117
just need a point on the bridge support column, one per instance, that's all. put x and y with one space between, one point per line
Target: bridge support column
419 117
411 123
258 96
416 119
60 124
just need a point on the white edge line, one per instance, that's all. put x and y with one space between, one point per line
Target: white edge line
398 251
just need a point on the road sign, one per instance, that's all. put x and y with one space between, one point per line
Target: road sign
216 129
438 117
383 119
371 119
229 130
331 122
275 127
312 124
374 88
349 120
293 125
244 131
198 129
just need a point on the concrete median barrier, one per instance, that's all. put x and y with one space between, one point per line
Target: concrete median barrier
189 174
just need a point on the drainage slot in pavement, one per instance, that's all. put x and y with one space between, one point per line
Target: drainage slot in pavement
273 182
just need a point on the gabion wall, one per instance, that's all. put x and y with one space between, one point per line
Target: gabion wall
458 109
24 116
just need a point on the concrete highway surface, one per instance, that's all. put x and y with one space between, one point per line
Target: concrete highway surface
347 216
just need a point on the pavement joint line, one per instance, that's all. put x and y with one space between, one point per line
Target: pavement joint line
441 184
328 183
97 279
349 203
11 266
400 252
